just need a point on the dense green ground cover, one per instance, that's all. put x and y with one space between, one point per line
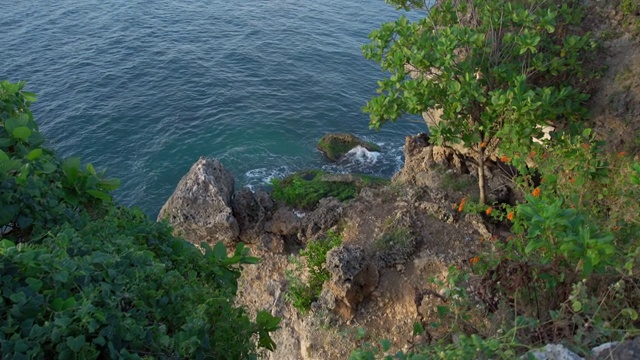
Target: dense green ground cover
84 278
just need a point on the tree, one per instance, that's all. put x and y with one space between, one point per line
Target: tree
498 71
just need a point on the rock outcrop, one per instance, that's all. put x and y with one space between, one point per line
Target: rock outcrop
200 208
336 145
353 278
252 212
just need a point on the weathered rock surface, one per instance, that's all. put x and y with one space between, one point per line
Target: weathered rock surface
553 352
626 350
200 207
284 222
353 278
438 167
336 145
252 211
326 215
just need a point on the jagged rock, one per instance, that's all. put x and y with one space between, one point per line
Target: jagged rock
353 278
626 350
325 216
336 145
271 243
199 209
553 352
425 164
284 222
251 210
397 243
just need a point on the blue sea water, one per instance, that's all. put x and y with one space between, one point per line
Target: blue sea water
144 88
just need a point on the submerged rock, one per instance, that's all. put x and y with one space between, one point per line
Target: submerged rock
336 145
200 207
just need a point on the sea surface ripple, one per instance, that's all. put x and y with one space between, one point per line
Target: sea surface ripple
144 88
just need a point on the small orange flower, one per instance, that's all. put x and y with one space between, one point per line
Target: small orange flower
489 210
505 159
474 260
536 192
532 154
483 145
572 180
510 216
461 207
621 154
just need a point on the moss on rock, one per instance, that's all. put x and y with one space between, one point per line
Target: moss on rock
336 145
304 189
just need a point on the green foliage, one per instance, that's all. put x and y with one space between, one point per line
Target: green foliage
83 278
496 69
302 294
305 189
629 7
570 270
39 190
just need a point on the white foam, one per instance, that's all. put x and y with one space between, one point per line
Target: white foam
263 176
363 156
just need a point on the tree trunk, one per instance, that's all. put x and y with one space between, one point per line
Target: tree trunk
481 185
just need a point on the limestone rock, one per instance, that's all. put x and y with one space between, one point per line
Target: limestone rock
326 215
284 222
553 352
199 208
353 278
251 210
336 145
626 350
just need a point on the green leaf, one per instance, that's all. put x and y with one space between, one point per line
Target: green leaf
29 96
69 303
76 343
267 321
71 167
21 133
109 184
385 344
443 310
34 154
219 251
99 195
34 284
8 213
630 313
6 244
576 306
418 329
56 304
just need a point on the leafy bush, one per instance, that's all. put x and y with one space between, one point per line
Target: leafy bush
300 294
497 70
84 278
569 272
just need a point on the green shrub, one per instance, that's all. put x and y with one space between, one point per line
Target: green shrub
300 294
84 278
305 189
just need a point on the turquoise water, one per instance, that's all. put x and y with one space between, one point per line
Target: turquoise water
144 88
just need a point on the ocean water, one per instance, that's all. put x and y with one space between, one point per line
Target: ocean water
144 88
